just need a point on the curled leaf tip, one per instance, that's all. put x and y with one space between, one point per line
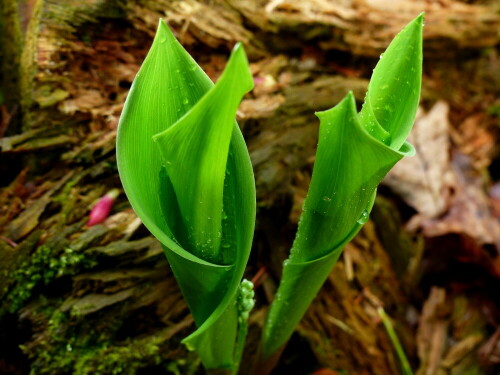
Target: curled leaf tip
346 100
394 90
195 152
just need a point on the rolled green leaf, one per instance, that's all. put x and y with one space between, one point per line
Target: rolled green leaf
391 102
355 151
186 171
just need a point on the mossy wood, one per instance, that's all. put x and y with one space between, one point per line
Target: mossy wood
112 303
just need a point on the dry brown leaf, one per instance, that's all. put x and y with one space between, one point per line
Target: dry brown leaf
474 139
448 193
495 199
433 332
490 351
423 181
470 216
263 106
451 328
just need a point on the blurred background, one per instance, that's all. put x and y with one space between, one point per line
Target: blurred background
100 299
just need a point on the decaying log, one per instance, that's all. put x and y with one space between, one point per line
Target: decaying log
103 299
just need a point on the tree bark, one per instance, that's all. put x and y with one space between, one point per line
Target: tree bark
102 299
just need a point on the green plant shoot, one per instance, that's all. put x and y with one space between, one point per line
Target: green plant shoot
355 151
400 353
186 171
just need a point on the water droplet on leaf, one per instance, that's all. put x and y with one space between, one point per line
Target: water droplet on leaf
364 217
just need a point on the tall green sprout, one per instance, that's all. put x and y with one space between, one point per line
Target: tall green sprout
355 151
186 171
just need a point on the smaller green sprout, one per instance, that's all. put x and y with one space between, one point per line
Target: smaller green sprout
355 151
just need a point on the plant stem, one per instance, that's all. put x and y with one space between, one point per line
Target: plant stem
240 344
405 365
265 366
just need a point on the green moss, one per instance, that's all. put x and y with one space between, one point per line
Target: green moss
90 344
67 201
126 359
41 269
84 346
